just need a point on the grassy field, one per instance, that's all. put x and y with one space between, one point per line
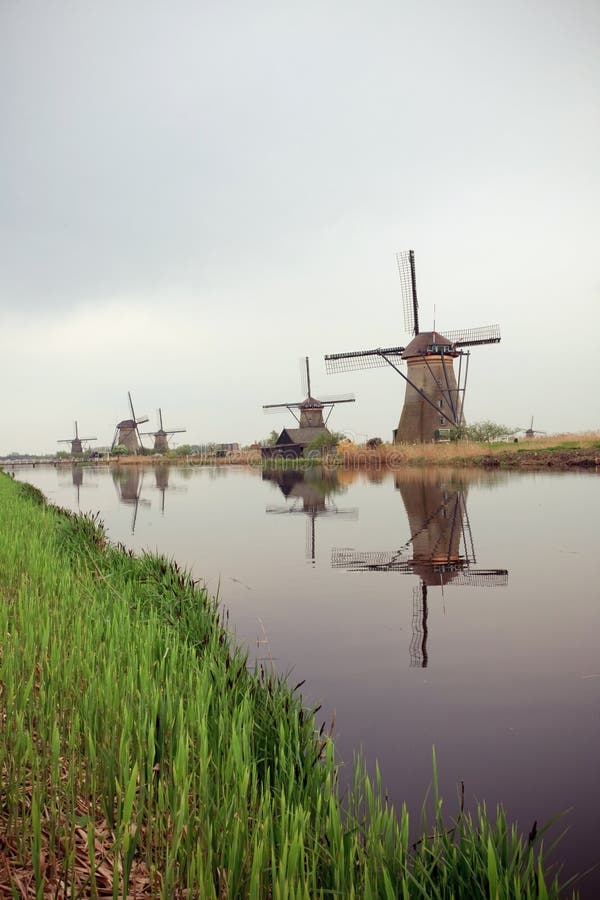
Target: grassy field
141 758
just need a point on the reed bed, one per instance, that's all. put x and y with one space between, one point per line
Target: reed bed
462 453
141 758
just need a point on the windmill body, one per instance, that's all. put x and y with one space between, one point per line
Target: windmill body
127 433
312 422
76 442
430 372
161 436
435 391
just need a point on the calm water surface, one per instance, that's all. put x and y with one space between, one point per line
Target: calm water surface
451 608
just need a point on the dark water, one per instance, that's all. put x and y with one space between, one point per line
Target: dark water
451 608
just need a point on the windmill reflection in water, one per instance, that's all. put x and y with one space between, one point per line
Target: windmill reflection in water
440 549
128 482
309 493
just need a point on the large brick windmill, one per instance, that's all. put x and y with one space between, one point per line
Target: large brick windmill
127 433
435 393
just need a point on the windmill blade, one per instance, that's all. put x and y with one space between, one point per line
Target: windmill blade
369 561
481 578
174 430
141 421
270 406
408 284
363 359
337 398
77 432
304 375
160 419
131 405
471 337
88 439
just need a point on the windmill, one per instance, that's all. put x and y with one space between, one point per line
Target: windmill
435 393
308 494
76 442
529 432
308 414
127 433
440 549
161 437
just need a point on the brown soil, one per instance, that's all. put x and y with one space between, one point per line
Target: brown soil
543 459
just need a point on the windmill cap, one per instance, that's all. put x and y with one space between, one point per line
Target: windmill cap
420 345
311 403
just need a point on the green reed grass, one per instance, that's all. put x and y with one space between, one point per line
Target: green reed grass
138 751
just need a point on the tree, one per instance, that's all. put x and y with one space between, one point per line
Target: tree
374 442
325 441
482 432
120 450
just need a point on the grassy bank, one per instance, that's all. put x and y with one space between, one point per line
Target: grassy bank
140 757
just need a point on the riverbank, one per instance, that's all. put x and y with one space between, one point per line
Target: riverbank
143 758
561 452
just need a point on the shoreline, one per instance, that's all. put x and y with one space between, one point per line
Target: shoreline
393 457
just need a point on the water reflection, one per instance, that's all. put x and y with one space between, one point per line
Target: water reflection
128 482
309 493
161 483
74 476
440 549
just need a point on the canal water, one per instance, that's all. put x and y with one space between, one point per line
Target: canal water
451 608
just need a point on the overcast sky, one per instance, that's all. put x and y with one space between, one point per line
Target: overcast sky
194 195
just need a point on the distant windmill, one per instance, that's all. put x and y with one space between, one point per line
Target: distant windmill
309 495
529 432
127 432
76 442
161 437
435 395
308 414
440 550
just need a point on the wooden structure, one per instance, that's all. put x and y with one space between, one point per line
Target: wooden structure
435 394
312 423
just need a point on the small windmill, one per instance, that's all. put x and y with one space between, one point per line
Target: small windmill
127 433
435 394
309 496
76 442
308 414
440 551
529 432
161 437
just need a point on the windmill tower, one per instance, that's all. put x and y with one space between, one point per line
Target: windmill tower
127 432
76 442
435 394
308 414
308 494
161 437
439 551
